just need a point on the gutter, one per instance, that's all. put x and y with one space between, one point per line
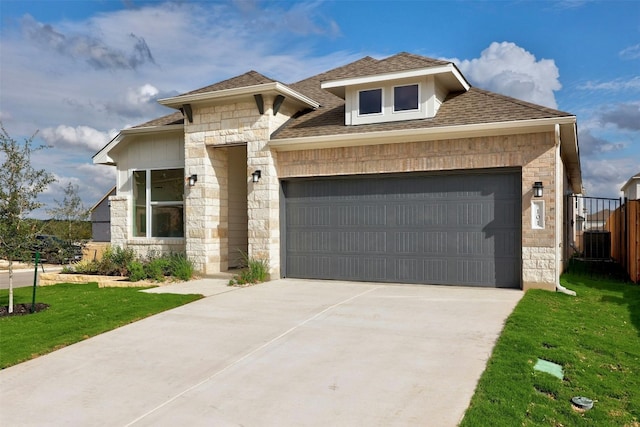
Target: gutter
559 227
418 134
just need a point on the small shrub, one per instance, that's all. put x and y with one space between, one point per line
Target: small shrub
180 267
136 271
154 269
83 267
115 260
124 262
257 271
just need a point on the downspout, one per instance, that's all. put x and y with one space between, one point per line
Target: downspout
559 194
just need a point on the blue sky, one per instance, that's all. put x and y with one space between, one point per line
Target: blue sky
79 71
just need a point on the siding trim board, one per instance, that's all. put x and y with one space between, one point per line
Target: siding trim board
460 228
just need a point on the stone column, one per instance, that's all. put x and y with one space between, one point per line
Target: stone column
120 220
263 201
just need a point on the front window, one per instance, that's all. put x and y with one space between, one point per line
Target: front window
158 203
370 101
405 98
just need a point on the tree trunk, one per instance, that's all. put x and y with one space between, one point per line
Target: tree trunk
10 285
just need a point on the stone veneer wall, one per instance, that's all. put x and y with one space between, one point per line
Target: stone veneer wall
534 153
207 202
120 220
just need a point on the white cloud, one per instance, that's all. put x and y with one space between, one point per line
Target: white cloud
631 52
142 94
604 178
613 85
591 145
83 137
509 69
625 115
98 53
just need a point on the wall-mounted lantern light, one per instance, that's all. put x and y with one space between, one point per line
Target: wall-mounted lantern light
192 180
537 189
255 176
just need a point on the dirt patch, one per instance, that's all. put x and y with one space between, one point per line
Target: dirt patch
22 309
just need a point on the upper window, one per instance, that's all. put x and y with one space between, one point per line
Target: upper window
158 203
405 98
370 101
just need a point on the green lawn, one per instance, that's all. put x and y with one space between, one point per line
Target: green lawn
594 336
76 312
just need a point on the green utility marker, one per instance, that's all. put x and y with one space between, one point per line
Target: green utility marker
550 368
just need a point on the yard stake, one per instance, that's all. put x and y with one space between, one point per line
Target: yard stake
35 281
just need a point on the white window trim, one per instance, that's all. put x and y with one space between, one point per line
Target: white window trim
382 98
149 203
416 110
426 103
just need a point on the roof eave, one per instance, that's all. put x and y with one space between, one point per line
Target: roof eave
421 134
95 206
102 157
458 83
636 177
225 94
571 151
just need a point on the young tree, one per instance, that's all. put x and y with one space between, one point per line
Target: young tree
20 185
72 214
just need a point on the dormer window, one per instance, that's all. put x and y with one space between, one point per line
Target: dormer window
411 94
370 101
405 98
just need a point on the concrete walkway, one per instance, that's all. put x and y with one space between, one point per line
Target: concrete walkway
284 353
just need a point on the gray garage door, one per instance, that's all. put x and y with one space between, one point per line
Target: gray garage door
453 229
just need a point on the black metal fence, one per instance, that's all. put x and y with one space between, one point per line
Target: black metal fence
594 232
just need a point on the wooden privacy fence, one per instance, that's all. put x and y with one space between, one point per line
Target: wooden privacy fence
624 224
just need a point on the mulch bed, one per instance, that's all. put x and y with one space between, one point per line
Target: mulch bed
22 309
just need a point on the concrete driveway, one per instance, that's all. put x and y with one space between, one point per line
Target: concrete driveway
285 353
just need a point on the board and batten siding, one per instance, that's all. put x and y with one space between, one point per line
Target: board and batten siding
160 151
154 151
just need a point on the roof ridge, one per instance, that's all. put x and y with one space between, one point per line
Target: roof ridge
249 75
336 69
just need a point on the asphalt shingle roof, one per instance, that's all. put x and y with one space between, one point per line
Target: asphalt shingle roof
250 78
170 119
460 108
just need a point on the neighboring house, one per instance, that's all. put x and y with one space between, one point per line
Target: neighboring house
597 220
392 170
631 189
101 218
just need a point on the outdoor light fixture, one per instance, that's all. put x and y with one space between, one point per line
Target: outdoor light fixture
537 189
255 177
192 180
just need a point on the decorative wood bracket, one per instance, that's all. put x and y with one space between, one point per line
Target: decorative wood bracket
277 102
187 112
259 103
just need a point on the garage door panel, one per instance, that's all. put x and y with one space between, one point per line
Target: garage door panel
441 229
435 270
473 271
408 269
435 242
309 267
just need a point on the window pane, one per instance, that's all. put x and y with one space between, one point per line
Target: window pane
167 185
405 98
140 203
167 221
370 101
